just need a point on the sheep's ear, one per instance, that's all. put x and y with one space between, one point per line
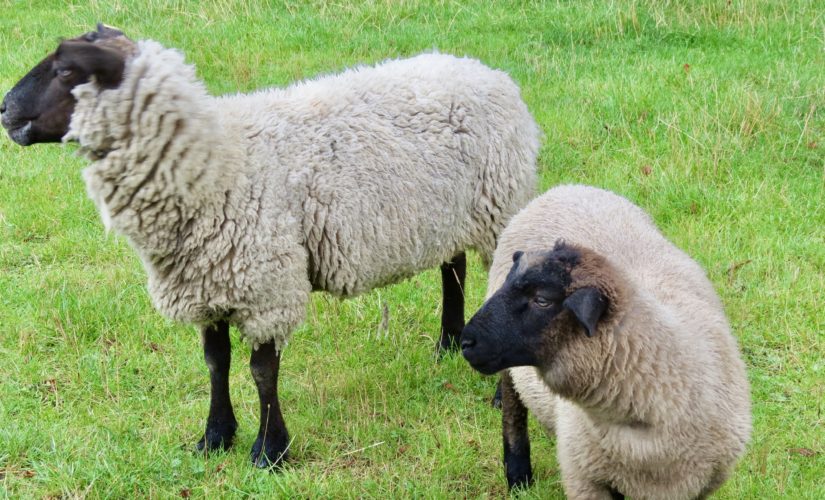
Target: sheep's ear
107 65
587 304
108 31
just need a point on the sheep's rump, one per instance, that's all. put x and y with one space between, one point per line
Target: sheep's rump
397 168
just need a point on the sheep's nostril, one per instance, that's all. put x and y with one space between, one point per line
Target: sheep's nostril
467 343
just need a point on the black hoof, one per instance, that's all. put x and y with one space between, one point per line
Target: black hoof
270 455
518 470
519 479
447 344
218 437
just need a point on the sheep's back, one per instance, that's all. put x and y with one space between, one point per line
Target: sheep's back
396 168
613 227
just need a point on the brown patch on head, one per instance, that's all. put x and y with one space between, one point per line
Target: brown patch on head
77 62
594 270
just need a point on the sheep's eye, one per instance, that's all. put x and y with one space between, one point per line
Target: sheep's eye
64 73
540 301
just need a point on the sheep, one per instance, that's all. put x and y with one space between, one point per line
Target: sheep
239 206
616 340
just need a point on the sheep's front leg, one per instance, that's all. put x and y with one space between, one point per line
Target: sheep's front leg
517 466
270 448
221 423
452 311
615 495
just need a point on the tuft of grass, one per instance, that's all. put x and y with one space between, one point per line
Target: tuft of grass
710 115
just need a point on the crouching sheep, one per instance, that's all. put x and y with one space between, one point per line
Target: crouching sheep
616 340
239 206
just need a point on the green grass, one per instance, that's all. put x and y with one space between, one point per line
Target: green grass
708 114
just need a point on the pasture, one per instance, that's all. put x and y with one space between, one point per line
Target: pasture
709 114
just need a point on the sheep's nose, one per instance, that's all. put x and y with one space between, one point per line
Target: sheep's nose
467 343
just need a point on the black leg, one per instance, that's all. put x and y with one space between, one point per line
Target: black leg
452 311
270 448
517 466
221 423
496 401
615 495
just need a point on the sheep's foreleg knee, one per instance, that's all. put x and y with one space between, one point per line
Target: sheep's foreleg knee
452 311
270 448
517 465
221 423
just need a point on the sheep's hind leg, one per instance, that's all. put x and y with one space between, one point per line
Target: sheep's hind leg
221 423
452 311
517 465
270 448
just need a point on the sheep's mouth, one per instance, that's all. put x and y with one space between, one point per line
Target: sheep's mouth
481 363
20 132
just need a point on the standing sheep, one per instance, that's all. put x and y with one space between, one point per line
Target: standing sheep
616 340
239 206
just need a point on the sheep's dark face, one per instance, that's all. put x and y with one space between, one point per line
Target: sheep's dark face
39 108
529 318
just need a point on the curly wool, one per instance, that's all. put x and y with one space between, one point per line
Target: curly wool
657 405
240 205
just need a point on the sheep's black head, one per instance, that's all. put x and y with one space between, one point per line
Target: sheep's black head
39 108
541 306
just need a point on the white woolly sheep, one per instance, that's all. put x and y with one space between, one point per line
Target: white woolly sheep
616 340
241 205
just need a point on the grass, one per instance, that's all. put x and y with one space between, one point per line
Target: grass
709 114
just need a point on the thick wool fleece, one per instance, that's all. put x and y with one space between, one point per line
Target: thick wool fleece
664 412
240 205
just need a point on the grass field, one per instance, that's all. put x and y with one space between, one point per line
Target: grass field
708 114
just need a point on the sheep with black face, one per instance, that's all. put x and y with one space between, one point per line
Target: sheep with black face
38 109
239 206
618 343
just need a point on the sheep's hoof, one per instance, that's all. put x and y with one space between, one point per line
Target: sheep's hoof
517 467
519 482
270 456
218 437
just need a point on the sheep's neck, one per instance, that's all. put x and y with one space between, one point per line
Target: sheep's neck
164 170
152 190
628 374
